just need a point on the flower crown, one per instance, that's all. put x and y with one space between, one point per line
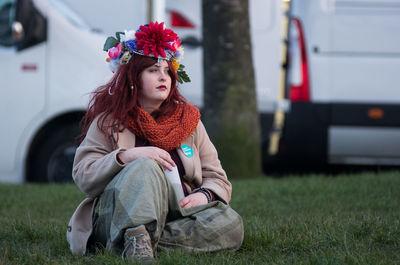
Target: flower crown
153 40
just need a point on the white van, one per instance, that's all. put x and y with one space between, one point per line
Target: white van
342 84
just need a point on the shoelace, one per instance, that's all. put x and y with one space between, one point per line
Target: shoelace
132 241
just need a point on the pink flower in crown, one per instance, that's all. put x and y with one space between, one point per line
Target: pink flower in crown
115 51
176 44
155 39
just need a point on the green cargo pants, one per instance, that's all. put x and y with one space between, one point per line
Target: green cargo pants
141 194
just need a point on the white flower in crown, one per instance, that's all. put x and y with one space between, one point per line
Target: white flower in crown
179 54
114 65
128 35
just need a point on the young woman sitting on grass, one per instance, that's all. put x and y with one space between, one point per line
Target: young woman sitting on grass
138 130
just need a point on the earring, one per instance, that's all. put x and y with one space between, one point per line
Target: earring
132 89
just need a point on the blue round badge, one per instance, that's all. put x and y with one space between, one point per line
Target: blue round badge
187 150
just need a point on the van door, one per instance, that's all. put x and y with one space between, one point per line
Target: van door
361 45
22 82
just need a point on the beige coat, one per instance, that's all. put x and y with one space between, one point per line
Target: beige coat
95 165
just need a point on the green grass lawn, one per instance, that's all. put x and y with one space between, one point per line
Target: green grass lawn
347 219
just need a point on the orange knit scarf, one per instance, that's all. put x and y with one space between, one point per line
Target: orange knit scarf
167 131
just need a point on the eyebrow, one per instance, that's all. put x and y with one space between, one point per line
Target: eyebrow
159 66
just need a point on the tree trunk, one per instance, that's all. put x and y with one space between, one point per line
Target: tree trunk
230 105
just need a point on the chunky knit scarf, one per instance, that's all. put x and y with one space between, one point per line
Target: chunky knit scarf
166 131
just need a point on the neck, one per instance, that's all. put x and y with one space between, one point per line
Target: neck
150 108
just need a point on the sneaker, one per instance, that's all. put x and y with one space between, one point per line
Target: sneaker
137 245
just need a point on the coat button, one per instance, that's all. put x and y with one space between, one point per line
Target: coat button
69 228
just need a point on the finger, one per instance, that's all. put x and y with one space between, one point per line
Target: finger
188 205
166 165
183 202
159 159
172 162
167 157
166 161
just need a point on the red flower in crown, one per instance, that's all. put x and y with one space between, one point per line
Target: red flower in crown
154 39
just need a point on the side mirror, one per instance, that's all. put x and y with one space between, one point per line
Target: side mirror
17 31
191 42
30 26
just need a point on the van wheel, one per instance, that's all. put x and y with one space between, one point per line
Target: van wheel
54 155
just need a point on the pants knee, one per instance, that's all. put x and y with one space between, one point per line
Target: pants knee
142 171
144 163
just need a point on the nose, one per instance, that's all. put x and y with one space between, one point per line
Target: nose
163 75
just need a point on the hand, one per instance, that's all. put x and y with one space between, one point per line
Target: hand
157 154
192 200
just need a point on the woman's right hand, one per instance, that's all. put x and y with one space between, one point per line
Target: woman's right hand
157 154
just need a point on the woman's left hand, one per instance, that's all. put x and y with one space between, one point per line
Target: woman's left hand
192 200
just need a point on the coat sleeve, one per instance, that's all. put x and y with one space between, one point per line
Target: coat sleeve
95 162
214 176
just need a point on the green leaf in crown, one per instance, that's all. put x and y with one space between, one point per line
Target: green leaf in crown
118 35
110 42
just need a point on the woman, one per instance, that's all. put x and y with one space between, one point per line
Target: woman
138 129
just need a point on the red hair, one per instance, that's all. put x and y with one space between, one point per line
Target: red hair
116 99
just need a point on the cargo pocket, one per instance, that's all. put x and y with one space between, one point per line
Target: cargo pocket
215 228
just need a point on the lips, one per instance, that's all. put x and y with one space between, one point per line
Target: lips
162 87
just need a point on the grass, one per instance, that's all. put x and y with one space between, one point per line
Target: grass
318 219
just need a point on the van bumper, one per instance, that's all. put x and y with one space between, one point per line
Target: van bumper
337 133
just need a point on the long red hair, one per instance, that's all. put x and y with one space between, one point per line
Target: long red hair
115 101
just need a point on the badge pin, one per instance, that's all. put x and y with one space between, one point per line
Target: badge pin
187 150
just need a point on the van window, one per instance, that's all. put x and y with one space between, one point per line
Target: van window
7 13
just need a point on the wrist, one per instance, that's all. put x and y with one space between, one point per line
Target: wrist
206 193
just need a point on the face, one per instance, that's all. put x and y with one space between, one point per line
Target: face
156 85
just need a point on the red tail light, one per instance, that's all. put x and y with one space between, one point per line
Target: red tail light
301 91
178 20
